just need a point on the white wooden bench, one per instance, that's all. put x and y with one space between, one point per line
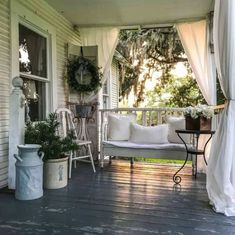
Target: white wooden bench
131 150
128 149
147 117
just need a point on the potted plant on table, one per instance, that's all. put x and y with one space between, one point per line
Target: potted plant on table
55 150
199 117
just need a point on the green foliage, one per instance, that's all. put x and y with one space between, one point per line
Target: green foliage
161 161
82 65
182 92
161 45
220 96
130 80
157 49
46 134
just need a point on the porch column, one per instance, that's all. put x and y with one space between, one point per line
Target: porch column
16 126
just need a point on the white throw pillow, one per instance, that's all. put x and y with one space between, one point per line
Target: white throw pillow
176 123
149 135
119 126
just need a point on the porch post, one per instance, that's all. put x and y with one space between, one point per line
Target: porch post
16 126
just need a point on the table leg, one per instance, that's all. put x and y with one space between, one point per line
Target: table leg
177 178
195 172
204 150
82 132
193 164
196 149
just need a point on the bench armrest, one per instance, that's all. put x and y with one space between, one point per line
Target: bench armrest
104 135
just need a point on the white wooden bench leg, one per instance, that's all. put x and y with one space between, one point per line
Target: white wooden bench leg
70 163
132 161
101 158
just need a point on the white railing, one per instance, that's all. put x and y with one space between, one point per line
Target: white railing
217 115
146 116
155 116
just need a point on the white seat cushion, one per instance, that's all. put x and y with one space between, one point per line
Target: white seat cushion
149 135
128 144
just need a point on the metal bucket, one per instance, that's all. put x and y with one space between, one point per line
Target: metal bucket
84 110
29 172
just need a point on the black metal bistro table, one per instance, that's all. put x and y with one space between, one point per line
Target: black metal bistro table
193 150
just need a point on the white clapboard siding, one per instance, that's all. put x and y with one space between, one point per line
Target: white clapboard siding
3 172
64 34
114 84
4 88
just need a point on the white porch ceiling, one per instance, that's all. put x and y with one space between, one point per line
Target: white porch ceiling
86 13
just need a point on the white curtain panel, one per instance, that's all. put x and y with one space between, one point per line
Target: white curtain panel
221 168
194 38
106 39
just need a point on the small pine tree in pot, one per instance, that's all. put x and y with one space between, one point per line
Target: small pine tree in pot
55 150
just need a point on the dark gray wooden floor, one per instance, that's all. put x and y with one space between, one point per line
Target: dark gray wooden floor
117 200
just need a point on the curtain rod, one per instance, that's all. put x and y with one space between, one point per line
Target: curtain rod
146 26
152 26
163 25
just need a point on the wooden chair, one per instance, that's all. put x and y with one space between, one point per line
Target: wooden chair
65 117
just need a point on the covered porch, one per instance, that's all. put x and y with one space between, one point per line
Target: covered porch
118 200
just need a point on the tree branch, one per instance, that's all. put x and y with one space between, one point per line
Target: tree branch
175 60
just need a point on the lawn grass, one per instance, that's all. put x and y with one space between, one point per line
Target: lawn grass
161 161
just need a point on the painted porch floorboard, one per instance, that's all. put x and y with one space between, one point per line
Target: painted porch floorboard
118 200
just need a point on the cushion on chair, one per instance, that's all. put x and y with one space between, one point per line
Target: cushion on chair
128 144
149 135
119 126
176 123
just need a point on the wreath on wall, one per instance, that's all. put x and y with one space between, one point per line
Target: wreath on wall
83 75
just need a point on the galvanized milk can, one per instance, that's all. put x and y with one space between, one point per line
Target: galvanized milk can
29 172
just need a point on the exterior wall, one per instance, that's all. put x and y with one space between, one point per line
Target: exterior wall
4 87
64 34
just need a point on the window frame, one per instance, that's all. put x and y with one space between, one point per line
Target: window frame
45 80
21 15
109 89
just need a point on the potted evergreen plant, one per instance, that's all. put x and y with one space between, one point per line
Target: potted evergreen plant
55 150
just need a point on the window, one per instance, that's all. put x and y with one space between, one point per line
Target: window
33 67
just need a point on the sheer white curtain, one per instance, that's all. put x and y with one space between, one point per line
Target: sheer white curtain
106 39
194 38
221 168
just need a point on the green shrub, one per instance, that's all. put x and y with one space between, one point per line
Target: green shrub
46 134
